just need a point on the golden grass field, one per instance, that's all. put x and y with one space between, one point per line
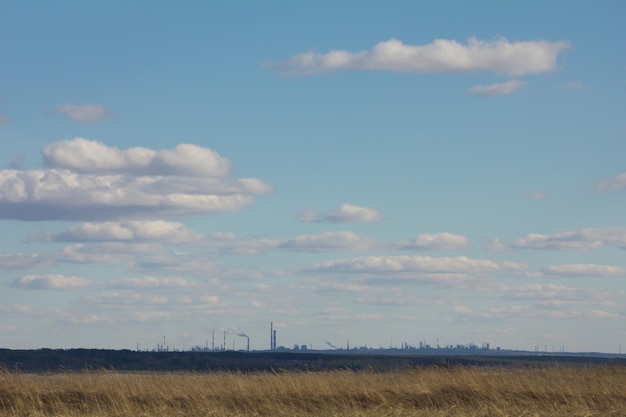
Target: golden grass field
430 391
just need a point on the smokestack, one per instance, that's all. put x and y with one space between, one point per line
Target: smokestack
274 340
247 337
271 336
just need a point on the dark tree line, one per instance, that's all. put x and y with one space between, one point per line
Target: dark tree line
44 360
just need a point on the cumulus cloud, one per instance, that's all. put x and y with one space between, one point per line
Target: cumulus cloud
50 282
440 241
134 230
616 183
441 56
585 270
84 113
330 241
84 155
497 89
578 240
87 180
346 213
405 263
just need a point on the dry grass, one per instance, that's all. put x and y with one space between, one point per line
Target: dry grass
559 391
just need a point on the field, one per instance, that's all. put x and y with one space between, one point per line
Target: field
426 391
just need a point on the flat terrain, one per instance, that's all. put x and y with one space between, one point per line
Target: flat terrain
422 391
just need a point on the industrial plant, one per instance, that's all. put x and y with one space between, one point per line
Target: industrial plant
230 336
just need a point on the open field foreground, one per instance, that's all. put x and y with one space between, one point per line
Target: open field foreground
430 391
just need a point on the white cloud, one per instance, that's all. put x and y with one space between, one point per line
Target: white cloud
178 264
579 240
525 311
92 254
561 298
135 230
50 282
151 316
333 241
153 283
346 213
540 291
88 180
341 314
90 320
440 56
23 261
129 298
552 301
538 196
496 245
330 241
511 312
440 241
616 183
497 89
339 287
349 213
84 155
600 314
232 244
405 263
585 270
397 298
125 233
84 113
463 310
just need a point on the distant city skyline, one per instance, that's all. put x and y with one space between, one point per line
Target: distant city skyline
365 171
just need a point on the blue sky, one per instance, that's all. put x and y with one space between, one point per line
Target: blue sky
379 172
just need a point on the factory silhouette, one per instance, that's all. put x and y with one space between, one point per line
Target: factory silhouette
221 357
405 348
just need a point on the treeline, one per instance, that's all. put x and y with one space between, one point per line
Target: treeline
43 360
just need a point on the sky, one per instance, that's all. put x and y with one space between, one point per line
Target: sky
364 172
